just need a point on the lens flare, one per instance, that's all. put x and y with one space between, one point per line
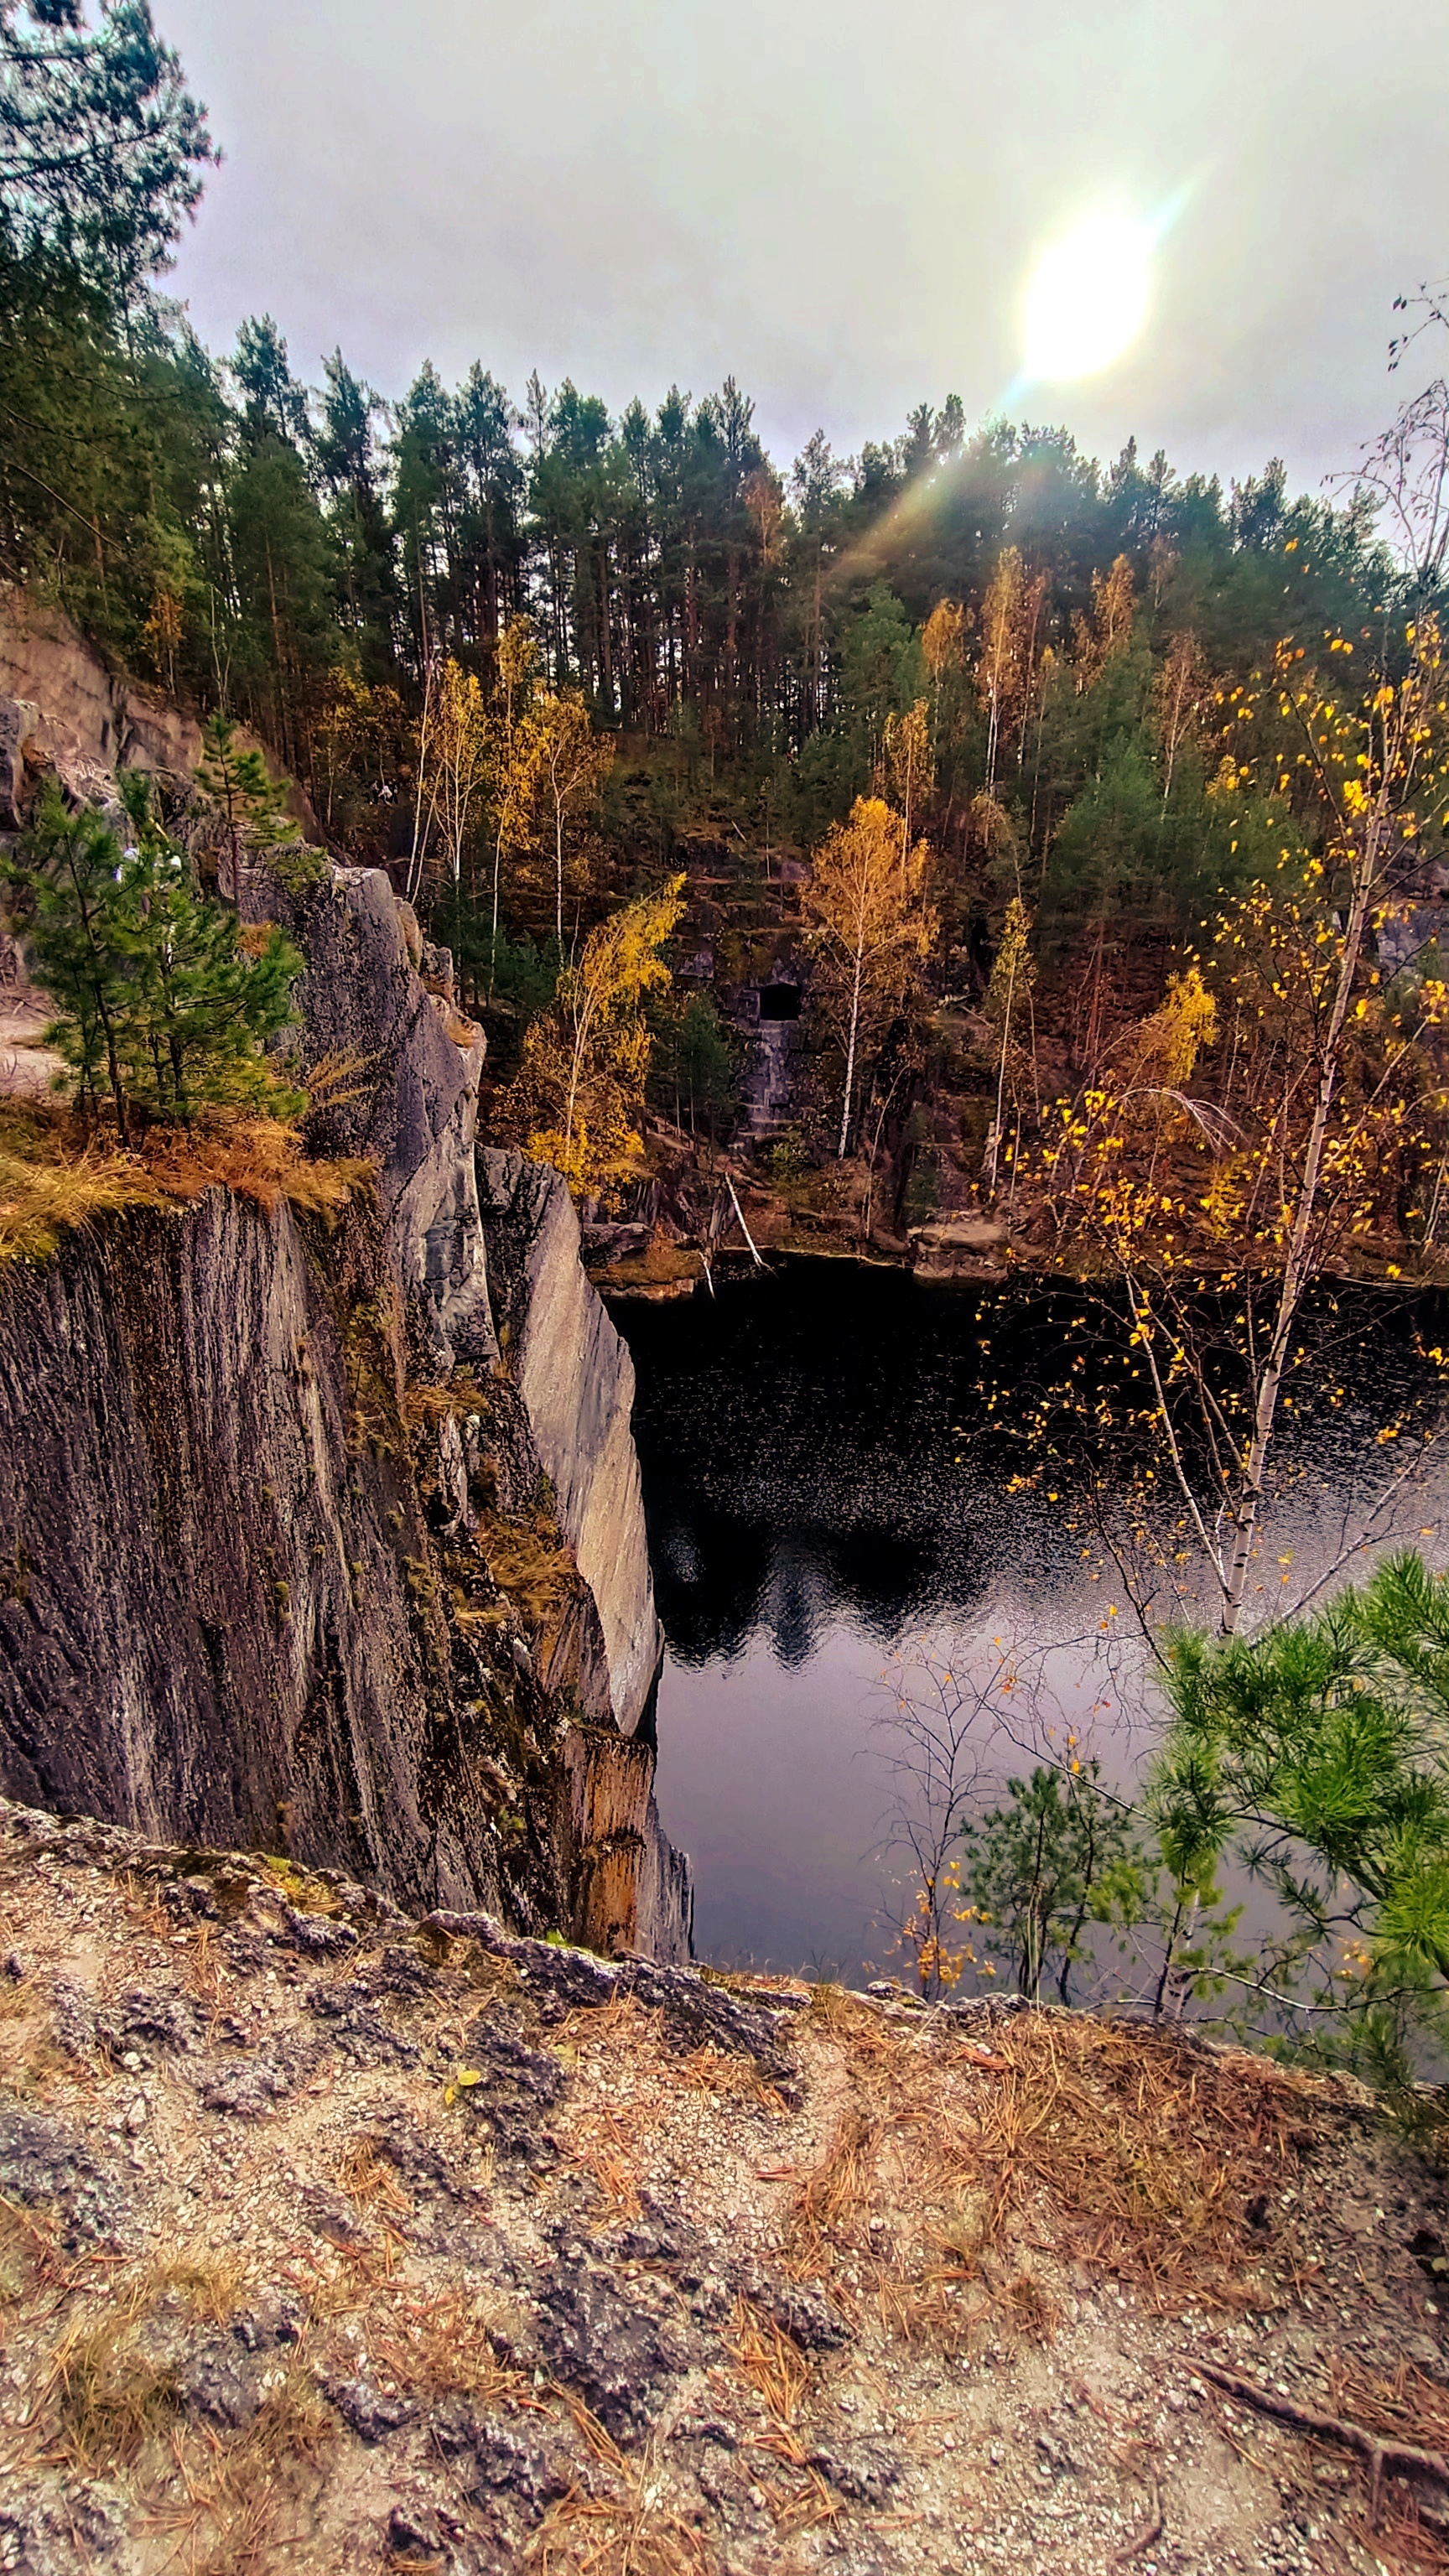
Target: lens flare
1088 298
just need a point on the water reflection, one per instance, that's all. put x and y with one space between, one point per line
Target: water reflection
825 1456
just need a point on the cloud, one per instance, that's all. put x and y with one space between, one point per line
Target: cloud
838 202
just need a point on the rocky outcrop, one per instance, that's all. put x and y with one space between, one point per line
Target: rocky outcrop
247 1567
576 1380
265 1486
335 2239
965 1245
64 709
394 1070
629 1889
211 1545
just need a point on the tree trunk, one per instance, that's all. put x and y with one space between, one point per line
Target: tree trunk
993 1159
1296 1264
558 862
850 1057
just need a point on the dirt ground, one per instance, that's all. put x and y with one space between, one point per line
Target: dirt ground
332 2241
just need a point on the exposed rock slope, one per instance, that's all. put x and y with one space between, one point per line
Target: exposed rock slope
576 1380
335 2241
207 1626
278 1560
400 1069
65 709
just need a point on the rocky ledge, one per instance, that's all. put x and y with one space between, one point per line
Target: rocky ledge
335 2238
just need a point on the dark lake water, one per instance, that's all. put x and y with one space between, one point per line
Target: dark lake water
826 1453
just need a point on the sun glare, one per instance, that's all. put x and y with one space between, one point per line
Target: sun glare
1088 298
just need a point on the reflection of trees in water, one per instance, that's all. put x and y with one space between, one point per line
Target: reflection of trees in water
724 1578
830 1445
798 1463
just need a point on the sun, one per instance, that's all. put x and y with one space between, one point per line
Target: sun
1088 298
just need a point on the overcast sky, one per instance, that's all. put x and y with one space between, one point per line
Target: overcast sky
837 201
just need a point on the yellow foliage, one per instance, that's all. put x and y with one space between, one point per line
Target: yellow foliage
55 1179
908 762
943 639
1185 1021
1109 628
581 1086
567 764
866 919
1013 973
46 1192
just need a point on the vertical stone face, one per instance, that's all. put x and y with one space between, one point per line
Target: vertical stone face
628 1888
576 1380
219 1606
206 1626
408 1096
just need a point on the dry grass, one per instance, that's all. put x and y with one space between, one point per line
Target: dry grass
604 2157
56 1176
781 2377
710 2070
443 2346
835 2202
209 2285
107 2398
1111 2145
1141 2152
528 1561
623 2531
840 2014
53 1181
1406 2408
306 1894
20 1997
370 2181
142 1901
237 2493
1409 2408
424 1407
261 1159
30 2251
776 2369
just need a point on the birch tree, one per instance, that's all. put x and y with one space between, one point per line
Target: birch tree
908 765
1012 978
515 750
459 760
580 1091
1293 1163
571 763
868 922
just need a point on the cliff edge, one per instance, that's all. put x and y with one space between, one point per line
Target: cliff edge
294 1553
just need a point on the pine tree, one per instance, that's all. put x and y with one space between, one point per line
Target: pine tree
101 145
238 786
157 1001
66 881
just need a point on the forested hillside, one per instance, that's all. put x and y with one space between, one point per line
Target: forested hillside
541 658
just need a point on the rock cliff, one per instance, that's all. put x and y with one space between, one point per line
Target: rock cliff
208 1522
297 1548
399 1068
64 709
577 1383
